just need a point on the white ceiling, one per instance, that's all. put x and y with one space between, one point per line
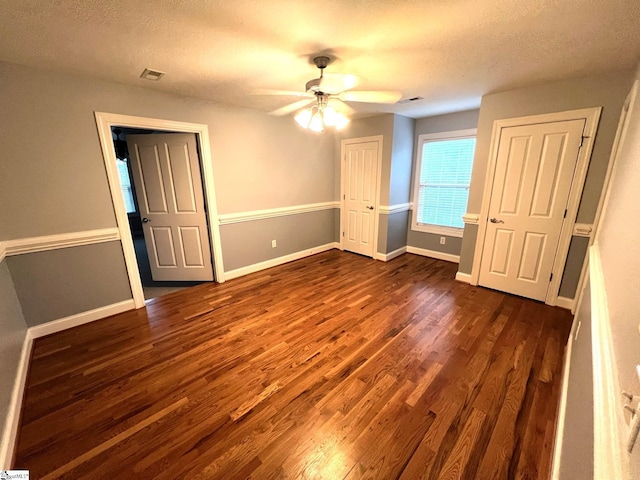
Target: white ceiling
450 52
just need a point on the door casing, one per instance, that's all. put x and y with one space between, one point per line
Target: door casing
104 122
591 117
376 219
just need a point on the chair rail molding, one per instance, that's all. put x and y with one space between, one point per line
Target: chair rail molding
471 218
253 215
391 209
582 230
44 243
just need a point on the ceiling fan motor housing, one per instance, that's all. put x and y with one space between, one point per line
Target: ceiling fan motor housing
313 86
321 62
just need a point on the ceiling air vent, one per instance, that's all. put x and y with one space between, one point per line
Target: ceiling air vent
152 74
412 99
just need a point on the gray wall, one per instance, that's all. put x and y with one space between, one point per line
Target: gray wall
59 185
447 123
431 241
440 123
392 231
399 183
401 160
573 267
576 460
13 330
52 176
607 91
247 243
59 283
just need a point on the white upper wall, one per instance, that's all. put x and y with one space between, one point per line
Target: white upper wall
617 241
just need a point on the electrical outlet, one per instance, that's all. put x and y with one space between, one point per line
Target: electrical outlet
443 240
274 244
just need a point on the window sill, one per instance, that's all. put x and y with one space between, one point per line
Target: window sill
438 230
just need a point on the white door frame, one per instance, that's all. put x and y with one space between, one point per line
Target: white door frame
105 121
591 117
376 219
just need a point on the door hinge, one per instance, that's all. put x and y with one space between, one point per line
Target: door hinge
344 196
565 213
551 277
343 234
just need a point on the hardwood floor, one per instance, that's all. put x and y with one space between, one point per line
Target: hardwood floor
334 366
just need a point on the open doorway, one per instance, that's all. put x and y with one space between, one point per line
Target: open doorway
136 201
104 123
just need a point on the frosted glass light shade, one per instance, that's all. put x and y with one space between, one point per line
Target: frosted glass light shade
304 117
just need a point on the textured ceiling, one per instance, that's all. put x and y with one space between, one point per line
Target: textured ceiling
450 52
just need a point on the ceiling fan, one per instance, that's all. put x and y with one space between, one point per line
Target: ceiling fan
334 88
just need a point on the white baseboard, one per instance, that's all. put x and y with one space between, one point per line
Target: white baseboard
10 430
80 318
564 302
385 257
274 262
463 277
9 433
433 254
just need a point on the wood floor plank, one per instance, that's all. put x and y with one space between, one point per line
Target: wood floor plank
334 366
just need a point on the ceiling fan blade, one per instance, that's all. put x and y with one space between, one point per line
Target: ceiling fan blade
289 93
340 106
292 107
334 83
371 96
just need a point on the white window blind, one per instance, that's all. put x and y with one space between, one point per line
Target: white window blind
125 184
442 189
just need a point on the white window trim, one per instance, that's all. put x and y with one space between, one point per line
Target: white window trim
437 229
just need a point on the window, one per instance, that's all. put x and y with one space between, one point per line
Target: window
125 184
443 175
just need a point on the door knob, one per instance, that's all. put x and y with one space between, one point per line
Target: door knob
495 220
145 220
370 207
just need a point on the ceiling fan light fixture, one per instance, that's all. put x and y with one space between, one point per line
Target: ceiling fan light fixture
330 116
322 115
303 117
316 124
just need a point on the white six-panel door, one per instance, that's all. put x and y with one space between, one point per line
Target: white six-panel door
166 174
534 171
360 196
